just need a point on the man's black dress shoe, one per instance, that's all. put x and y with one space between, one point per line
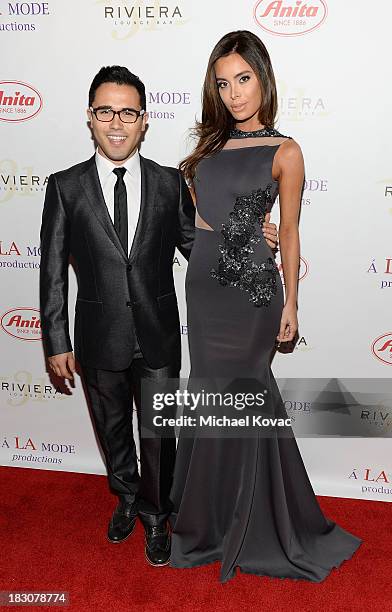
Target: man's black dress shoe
157 545
122 522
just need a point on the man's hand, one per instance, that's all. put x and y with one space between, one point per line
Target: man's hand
270 232
63 365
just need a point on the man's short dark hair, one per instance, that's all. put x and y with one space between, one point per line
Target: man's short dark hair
121 76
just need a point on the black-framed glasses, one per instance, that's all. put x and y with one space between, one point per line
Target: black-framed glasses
127 115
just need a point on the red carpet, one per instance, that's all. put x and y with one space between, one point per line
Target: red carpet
53 537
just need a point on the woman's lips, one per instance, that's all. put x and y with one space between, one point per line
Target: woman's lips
238 107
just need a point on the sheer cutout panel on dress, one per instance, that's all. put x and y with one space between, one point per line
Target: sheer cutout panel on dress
258 141
201 224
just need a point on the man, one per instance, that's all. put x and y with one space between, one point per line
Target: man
120 216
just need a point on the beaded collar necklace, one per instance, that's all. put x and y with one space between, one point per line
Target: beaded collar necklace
266 131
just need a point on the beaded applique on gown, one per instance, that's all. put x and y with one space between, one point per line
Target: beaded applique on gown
246 502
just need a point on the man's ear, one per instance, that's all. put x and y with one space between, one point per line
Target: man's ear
89 115
144 121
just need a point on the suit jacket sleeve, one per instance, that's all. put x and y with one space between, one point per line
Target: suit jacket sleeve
55 250
186 218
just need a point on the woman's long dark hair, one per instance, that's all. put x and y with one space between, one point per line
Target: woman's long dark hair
216 121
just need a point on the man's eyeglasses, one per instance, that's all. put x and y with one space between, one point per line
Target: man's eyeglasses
127 115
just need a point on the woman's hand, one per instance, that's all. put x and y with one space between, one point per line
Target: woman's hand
270 232
288 323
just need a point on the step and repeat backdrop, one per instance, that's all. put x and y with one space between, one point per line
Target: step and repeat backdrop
333 99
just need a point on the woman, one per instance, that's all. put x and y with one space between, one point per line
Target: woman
246 502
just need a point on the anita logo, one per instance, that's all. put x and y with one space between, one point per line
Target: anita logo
290 17
382 348
18 101
303 268
22 323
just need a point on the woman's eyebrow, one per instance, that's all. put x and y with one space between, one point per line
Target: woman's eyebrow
235 76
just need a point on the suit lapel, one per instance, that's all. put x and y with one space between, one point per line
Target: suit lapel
148 194
92 187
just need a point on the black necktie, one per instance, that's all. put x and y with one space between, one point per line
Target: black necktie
120 208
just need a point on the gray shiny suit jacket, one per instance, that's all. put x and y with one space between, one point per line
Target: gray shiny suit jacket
119 294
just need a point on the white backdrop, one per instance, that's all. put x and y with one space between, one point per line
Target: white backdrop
333 96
